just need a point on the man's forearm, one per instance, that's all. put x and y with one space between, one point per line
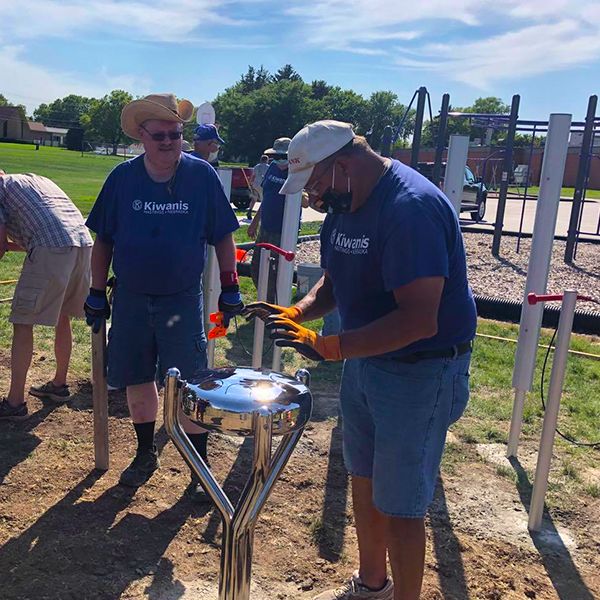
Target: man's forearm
225 251
101 257
391 332
318 302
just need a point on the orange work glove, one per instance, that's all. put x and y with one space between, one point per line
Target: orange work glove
286 332
264 310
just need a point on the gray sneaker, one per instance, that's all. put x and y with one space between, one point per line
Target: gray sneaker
140 469
354 589
56 393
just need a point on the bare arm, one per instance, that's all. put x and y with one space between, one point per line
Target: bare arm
225 250
101 257
414 319
253 227
319 301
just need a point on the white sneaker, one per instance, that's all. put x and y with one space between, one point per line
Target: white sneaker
354 589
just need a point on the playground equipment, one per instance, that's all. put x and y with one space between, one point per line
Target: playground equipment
539 265
510 124
240 402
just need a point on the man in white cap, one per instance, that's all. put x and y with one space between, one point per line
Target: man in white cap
394 265
153 219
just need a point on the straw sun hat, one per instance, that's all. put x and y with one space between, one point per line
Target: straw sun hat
163 107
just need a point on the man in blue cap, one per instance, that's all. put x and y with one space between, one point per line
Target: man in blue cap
207 142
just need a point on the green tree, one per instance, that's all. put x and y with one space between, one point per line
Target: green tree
253 80
3 101
384 109
490 105
104 119
63 112
320 89
251 121
343 105
287 72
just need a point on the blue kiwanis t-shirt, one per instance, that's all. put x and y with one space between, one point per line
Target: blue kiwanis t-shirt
160 234
406 230
273 203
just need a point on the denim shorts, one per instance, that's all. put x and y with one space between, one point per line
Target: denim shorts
395 419
151 334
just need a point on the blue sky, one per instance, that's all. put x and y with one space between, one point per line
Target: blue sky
546 50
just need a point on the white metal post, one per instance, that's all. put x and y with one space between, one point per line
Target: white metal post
212 289
563 338
285 271
454 178
226 176
261 294
553 168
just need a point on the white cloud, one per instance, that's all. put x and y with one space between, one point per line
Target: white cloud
155 20
473 41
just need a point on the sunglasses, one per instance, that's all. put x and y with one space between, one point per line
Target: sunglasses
160 136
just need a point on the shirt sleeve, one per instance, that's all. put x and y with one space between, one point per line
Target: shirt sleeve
414 246
221 219
103 216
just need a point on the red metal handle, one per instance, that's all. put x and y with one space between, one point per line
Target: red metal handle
287 254
533 298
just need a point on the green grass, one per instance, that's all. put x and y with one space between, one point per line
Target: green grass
81 177
566 192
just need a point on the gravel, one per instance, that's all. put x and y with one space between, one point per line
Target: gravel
504 277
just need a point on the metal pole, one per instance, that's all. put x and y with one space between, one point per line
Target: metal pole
582 171
261 294
539 265
540 484
506 171
454 180
525 190
285 270
441 140
416 141
212 288
100 398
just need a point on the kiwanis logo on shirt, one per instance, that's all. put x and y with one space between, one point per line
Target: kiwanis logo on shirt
160 208
349 245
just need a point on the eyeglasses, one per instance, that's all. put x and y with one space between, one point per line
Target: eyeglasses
160 136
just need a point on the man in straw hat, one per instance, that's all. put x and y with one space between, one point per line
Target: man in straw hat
395 267
153 219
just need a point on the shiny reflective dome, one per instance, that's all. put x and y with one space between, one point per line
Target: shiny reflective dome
226 400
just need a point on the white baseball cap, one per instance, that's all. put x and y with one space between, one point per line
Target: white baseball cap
311 145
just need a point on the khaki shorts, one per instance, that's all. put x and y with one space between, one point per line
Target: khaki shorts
53 282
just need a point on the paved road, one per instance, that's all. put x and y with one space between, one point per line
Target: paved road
512 215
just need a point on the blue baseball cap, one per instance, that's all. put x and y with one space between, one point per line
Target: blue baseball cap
207 132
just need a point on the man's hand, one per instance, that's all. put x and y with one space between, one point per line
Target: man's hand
230 303
287 333
264 310
253 229
96 309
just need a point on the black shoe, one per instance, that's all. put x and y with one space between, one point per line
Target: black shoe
57 393
13 413
249 215
141 468
195 492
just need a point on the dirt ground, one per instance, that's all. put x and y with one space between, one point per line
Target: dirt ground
68 532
